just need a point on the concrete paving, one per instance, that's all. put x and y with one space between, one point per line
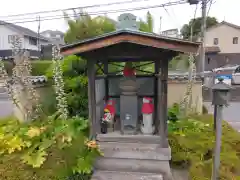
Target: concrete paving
231 113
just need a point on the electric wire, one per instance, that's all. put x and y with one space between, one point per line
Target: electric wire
193 21
96 13
210 5
75 8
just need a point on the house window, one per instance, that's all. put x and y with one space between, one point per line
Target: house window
208 60
33 41
215 41
235 40
12 38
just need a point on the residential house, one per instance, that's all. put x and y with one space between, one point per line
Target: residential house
30 40
57 37
222 46
174 33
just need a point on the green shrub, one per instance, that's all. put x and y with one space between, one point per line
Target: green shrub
52 149
48 99
192 143
9 67
76 85
204 110
40 67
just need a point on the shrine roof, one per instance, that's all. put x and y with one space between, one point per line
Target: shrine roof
134 37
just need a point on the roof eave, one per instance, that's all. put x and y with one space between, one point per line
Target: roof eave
126 31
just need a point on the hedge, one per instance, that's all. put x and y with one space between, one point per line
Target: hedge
39 67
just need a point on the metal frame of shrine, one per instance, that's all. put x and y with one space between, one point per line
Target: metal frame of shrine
130 45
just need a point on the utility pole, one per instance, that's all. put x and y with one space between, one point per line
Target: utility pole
38 32
160 29
203 32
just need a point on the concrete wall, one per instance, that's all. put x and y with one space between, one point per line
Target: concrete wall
177 90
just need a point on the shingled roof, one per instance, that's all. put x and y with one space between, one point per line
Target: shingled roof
25 31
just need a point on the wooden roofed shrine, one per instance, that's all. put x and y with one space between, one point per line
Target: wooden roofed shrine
127 44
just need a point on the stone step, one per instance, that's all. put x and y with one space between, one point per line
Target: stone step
133 165
135 151
139 138
114 175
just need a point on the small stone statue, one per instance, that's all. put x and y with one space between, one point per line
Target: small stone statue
107 122
147 112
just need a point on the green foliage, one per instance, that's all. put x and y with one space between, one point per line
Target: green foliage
75 85
173 112
84 27
196 23
9 65
192 142
147 25
204 110
180 62
38 148
39 67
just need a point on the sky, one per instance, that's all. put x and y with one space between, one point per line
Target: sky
172 17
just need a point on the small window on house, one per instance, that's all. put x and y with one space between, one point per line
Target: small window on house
11 38
215 41
235 40
208 60
33 41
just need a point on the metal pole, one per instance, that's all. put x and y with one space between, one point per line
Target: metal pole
160 29
217 151
215 118
203 32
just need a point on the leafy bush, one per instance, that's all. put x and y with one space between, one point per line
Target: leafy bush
39 67
9 65
75 85
204 110
173 112
53 149
192 143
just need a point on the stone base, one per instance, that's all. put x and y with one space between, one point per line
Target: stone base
114 175
130 156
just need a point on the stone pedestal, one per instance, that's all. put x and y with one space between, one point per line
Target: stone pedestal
132 157
128 114
128 105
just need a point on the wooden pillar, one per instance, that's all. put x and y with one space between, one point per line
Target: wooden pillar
105 69
156 92
162 103
94 124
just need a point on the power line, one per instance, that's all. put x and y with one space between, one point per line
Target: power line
98 13
177 22
193 21
67 9
211 2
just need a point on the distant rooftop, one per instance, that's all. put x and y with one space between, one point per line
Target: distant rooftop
25 31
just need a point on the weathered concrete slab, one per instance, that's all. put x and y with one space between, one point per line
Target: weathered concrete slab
133 165
139 138
113 175
135 151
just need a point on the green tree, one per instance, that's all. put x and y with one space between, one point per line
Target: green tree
83 26
146 25
196 25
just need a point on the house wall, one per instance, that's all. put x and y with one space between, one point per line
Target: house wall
4 33
5 45
225 35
